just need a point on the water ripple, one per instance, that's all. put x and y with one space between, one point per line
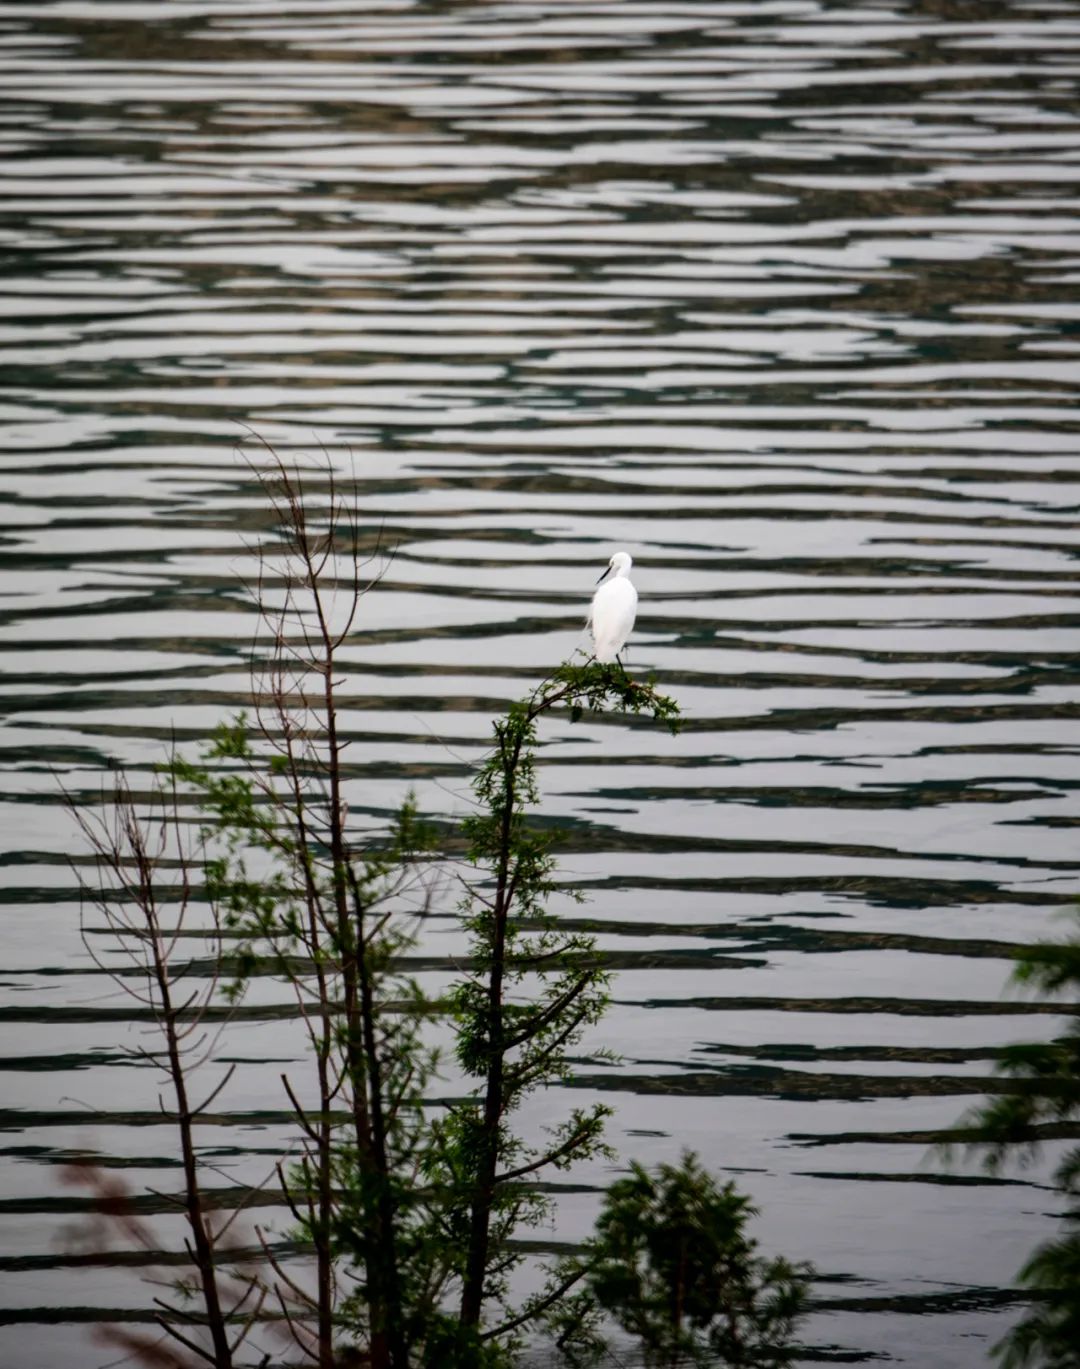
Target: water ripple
775 296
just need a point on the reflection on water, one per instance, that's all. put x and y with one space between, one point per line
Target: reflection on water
776 297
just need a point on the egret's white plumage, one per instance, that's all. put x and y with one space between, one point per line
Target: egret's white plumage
614 605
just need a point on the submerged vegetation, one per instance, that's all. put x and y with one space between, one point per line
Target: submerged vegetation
407 1214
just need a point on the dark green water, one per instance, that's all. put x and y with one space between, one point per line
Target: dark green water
780 298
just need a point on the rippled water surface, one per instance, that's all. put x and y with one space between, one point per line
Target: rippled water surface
779 296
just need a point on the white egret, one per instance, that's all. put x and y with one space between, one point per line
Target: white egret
611 619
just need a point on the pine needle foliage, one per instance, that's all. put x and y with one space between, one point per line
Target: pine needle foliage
533 989
1044 1093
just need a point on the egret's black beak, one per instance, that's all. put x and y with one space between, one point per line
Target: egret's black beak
605 574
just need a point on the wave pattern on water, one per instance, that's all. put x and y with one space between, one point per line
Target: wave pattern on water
776 297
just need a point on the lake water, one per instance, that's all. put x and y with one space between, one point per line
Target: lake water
778 296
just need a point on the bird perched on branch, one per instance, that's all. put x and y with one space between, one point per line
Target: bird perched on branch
611 618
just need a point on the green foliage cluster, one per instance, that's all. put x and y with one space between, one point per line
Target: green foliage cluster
335 930
1043 1097
533 989
672 1263
422 1212
413 1213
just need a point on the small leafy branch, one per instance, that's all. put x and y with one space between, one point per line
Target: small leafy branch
1042 1101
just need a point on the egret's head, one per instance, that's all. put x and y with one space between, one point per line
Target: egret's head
619 564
